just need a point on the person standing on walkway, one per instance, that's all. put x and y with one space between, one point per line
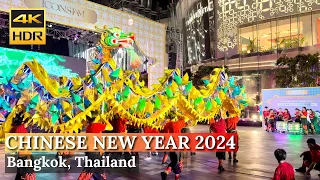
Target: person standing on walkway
271 121
218 125
265 114
231 127
20 124
304 121
91 172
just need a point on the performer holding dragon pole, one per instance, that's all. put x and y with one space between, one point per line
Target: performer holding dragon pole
95 173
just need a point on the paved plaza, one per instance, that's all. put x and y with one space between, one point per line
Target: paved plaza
256 160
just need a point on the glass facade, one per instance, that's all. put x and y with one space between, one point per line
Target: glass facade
250 35
280 34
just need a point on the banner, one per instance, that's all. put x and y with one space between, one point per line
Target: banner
291 98
121 142
86 15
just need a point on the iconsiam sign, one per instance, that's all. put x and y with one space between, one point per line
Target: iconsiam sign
112 90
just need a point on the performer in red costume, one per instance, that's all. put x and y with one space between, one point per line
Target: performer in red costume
265 114
218 125
297 115
176 163
271 124
285 170
280 115
95 173
311 159
286 115
172 127
231 127
304 121
20 126
119 124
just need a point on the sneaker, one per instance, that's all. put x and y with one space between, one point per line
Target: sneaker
163 176
220 168
235 160
301 169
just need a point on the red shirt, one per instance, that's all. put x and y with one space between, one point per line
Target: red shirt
271 116
231 123
150 130
19 129
120 125
95 128
177 126
286 116
315 153
311 116
280 113
304 114
218 126
297 114
167 127
265 113
284 172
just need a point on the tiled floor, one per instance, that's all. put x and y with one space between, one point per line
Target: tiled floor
256 160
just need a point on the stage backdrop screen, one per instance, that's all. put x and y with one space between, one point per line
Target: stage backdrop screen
292 98
55 65
199 25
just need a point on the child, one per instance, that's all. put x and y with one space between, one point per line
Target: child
271 121
286 115
304 121
310 117
218 125
175 166
265 114
285 170
280 115
297 116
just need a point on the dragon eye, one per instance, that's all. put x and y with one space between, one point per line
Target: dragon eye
116 35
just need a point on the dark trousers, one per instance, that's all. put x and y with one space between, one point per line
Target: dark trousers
25 173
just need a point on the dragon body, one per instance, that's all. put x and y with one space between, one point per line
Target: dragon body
112 90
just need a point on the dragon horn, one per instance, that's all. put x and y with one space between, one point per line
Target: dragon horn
104 29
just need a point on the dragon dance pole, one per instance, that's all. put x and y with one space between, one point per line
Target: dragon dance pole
103 91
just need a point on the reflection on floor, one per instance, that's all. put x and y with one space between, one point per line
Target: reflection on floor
256 160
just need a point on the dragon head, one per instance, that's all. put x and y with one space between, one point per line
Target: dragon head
115 37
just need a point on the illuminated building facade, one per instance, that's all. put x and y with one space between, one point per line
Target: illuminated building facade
248 36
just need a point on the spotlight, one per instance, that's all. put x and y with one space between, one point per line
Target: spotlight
50 25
